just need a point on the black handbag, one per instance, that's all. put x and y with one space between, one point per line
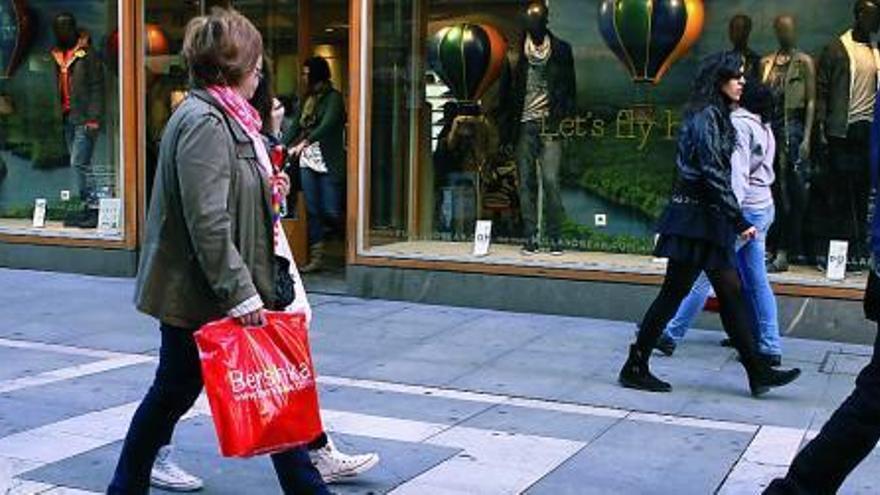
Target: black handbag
285 287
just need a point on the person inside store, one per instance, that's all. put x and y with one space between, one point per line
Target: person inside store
699 228
537 92
752 177
208 252
319 147
333 464
791 74
853 430
81 96
846 87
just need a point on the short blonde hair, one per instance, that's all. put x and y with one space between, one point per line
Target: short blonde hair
221 48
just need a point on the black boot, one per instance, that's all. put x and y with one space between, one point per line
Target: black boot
762 378
635 373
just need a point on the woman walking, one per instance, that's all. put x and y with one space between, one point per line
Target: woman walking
210 246
320 148
699 228
752 176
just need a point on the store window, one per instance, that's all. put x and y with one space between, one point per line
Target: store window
566 139
60 171
166 75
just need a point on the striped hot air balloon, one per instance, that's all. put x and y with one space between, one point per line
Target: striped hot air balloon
468 58
648 36
15 35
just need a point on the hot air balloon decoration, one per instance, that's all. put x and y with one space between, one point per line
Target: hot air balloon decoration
468 58
15 35
648 36
155 43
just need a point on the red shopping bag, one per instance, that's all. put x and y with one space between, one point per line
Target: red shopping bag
260 384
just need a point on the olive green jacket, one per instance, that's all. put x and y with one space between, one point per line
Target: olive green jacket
208 244
329 131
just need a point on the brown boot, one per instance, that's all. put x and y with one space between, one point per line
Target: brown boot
316 258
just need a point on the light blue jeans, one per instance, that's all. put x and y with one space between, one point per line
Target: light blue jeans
756 288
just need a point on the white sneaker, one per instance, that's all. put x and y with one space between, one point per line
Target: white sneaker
335 466
167 475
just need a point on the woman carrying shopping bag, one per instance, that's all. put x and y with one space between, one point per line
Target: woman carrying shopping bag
209 248
333 464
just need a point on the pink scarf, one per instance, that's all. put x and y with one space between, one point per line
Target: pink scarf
249 119
238 108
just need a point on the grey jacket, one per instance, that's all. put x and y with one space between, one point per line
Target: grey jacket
751 166
208 244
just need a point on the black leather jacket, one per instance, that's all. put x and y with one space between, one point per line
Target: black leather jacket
703 205
512 90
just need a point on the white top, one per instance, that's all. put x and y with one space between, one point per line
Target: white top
864 90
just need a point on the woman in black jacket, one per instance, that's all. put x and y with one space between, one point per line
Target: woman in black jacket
699 228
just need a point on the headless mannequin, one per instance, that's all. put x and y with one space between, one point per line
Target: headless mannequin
739 31
791 74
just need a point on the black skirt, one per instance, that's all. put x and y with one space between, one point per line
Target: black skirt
695 252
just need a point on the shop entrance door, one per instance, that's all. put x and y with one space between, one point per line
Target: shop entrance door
294 31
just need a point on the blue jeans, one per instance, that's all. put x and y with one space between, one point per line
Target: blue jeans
323 194
756 289
176 387
80 143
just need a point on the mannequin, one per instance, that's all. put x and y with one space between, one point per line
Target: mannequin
81 96
791 75
537 94
846 86
739 31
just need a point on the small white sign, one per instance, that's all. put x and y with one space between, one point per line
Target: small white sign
837 257
601 220
40 213
65 195
109 214
482 237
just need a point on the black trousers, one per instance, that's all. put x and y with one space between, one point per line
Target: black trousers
176 387
846 439
735 313
848 186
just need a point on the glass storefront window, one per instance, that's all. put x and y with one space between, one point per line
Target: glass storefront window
569 145
60 118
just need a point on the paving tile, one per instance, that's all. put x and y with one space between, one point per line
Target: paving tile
20 414
197 452
411 371
398 405
864 479
515 383
726 397
361 308
553 424
90 393
646 458
17 363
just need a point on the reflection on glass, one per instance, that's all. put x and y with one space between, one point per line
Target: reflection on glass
59 116
535 117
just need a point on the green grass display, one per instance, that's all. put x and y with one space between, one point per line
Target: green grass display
616 171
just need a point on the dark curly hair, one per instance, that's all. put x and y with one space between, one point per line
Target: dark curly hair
758 99
713 72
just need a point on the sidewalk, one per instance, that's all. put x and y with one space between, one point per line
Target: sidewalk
455 400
